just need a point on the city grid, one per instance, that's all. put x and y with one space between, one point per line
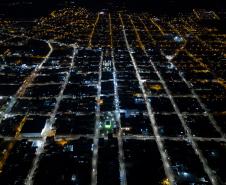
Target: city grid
112 98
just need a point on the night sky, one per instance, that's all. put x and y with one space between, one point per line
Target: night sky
36 8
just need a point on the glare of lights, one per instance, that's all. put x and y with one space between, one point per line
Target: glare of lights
165 182
169 57
37 143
